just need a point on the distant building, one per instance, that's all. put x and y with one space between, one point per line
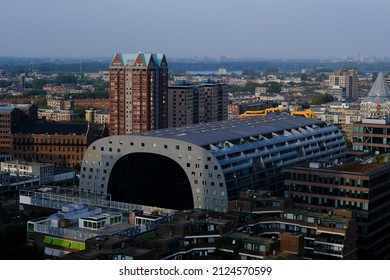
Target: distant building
138 93
361 57
57 115
222 71
60 104
347 79
97 116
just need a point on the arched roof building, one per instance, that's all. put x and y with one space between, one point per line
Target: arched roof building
205 165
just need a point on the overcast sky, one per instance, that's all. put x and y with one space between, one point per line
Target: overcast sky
184 28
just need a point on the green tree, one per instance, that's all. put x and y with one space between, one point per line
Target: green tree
269 70
65 79
38 83
274 87
319 99
303 77
4 83
374 76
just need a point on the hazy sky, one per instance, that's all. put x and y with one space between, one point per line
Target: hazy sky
184 28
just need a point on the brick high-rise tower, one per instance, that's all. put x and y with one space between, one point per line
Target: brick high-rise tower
138 93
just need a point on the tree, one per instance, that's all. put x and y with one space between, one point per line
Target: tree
319 99
374 76
274 87
38 83
65 79
268 70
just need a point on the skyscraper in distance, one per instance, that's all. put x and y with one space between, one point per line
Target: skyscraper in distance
138 92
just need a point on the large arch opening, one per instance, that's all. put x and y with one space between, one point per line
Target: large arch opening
150 179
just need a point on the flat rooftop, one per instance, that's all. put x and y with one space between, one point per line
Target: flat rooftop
357 167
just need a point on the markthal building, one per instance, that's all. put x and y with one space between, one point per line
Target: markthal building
205 165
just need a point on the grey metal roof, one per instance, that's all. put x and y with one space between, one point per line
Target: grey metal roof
379 92
215 132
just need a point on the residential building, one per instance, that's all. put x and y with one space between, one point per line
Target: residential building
97 116
312 235
358 186
60 104
192 104
205 165
57 115
181 105
138 93
347 79
204 234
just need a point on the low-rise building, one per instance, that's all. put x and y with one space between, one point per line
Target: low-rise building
57 115
43 171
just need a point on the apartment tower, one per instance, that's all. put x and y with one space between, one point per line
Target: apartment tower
138 93
347 79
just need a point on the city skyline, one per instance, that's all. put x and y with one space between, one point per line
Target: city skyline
250 29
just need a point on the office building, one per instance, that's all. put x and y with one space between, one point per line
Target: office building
358 186
205 165
347 79
138 93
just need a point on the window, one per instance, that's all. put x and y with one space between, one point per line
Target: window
177 147
142 144
165 146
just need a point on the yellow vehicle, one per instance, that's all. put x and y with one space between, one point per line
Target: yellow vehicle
308 113
260 112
